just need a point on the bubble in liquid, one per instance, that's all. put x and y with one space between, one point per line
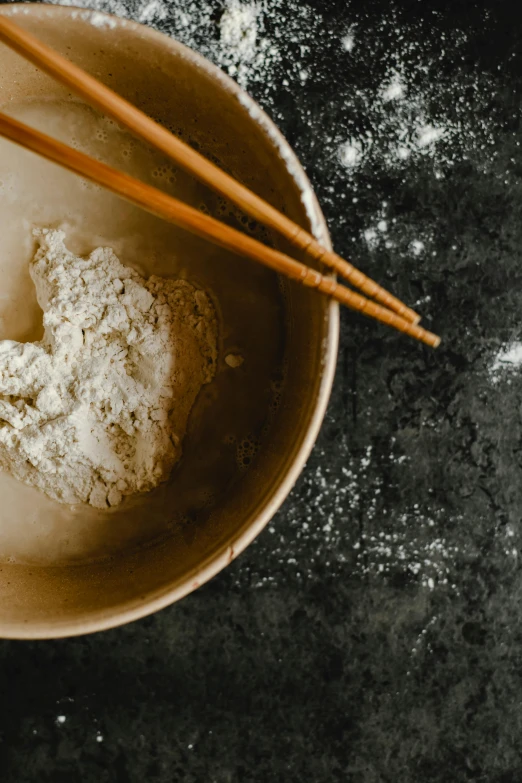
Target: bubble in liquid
246 450
275 402
165 172
222 206
276 389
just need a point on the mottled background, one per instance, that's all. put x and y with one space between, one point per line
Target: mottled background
372 633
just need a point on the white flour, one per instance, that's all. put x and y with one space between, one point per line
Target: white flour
508 358
238 35
351 154
348 42
97 409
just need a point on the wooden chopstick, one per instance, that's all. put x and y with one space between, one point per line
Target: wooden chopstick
160 203
144 127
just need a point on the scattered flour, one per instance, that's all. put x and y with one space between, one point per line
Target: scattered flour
371 237
239 37
351 154
408 111
377 234
152 12
341 523
97 409
427 134
417 246
266 44
400 129
508 358
244 50
394 90
348 42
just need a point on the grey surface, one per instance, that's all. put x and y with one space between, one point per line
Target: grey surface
373 632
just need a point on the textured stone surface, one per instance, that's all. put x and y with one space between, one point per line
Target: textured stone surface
373 632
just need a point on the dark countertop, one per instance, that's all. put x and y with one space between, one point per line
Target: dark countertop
372 632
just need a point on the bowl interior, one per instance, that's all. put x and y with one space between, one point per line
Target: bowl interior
69 569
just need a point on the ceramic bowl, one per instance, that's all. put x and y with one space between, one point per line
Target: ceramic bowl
72 572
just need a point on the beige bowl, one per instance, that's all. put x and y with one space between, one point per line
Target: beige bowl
66 571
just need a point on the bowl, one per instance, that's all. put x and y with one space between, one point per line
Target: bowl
67 570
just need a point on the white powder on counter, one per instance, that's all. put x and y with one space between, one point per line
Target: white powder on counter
508 358
97 409
417 246
238 30
348 42
351 154
394 90
238 35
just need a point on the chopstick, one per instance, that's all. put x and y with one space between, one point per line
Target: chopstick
169 208
144 127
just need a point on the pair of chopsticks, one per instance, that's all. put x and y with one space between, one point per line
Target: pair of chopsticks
386 307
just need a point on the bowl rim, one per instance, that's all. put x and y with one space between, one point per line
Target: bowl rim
140 607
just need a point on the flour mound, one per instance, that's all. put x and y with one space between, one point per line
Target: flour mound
98 408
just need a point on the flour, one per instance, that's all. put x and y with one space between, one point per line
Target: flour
394 90
348 42
238 30
417 246
351 154
507 359
97 409
428 134
152 11
244 50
